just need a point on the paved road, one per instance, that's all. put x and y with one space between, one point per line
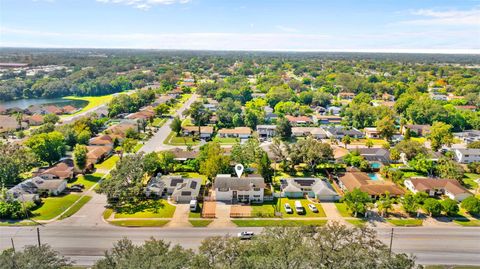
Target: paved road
86 244
156 142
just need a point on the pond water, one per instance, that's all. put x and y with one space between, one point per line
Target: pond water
25 103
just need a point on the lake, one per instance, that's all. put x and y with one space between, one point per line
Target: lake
25 103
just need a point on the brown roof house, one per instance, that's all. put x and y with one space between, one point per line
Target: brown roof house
300 120
239 132
35 119
64 169
205 131
354 179
437 187
98 153
8 123
419 129
102 140
183 155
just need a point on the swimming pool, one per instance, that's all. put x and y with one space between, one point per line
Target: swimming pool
373 176
375 165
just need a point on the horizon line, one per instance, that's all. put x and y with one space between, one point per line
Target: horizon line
391 51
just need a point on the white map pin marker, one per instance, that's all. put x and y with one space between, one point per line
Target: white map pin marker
239 170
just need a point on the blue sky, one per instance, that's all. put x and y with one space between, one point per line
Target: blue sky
340 25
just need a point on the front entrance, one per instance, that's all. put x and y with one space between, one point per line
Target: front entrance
234 195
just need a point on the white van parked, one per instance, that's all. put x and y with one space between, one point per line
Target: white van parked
193 205
298 207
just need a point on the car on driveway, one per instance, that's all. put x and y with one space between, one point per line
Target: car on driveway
245 235
288 208
75 189
313 208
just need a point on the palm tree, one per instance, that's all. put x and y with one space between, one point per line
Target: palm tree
19 118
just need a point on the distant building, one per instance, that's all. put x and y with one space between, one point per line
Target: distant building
266 131
468 136
338 132
371 132
436 187
467 155
346 95
237 132
315 132
206 132
300 120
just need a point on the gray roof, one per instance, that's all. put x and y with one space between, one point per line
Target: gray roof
318 186
469 151
241 184
374 154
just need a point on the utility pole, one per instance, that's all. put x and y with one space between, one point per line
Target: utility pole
391 242
38 236
13 245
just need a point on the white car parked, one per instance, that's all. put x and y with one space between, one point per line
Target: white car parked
288 208
245 235
313 208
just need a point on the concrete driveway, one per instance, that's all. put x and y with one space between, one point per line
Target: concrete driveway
180 217
222 217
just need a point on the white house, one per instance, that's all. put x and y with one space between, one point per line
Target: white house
311 187
266 131
371 132
467 155
234 189
315 132
436 187
205 131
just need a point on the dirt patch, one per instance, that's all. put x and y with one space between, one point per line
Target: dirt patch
209 208
238 211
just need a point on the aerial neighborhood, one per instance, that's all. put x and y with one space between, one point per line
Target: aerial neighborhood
162 145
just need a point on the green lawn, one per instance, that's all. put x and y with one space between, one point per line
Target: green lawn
148 209
469 180
468 223
107 213
200 223
139 223
308 213
93 101
265 210
88 180
406 222
174 140
343 210
226 140
193 175
108 163
137 147
53 206
158 122
357 222
81 202
284 223
420 140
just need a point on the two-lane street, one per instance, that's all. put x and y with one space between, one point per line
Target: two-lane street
155 143
85 244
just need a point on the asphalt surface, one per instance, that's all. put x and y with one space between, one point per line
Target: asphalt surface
84 245
155 143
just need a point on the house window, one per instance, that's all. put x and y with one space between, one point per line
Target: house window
256 196
256 189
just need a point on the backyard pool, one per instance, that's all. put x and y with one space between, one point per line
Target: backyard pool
373 176
375 165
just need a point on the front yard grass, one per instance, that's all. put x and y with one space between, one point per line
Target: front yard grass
18 223
81 202
357 222
343 210
200 222
140 223
174 140
158 122
148 209
406 222
108 163
107 213
282 223
194 175
265 210
469 180
87 180
226 140
467 222
307 211
53 206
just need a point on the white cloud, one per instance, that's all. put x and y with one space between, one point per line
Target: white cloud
286 29
446 17
144 4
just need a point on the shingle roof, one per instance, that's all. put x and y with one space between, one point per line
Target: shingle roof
236 130
360 180
451 185
241 184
